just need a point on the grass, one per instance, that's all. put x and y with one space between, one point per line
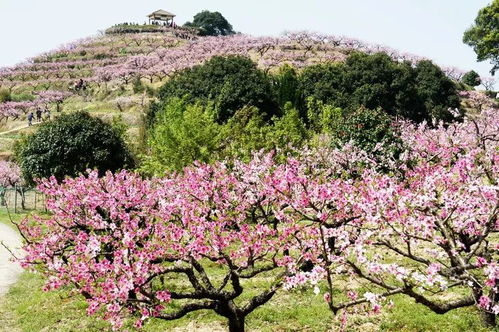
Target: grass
27 308
16 217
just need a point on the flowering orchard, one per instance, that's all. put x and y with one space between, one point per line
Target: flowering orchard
14 109
116 60
164 247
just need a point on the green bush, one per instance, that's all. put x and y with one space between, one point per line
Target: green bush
370 130
22 97
182 134
248 132
138 86
376 81
69 145
366 128
287 86
232 82
436 91
5 95
471 78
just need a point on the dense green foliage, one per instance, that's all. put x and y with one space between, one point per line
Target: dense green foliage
376 81
211 24
286 83
472 78
184 133
181 135
248 132
5 95
363 127
483 36
418 93
69 145
230 82
229 108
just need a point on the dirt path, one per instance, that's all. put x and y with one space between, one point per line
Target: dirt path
9 271
19 128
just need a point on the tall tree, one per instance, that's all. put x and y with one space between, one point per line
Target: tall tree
483 36
211 24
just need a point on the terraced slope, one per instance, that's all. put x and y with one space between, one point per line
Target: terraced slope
115 74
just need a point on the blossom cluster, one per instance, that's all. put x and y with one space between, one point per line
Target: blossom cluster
424 227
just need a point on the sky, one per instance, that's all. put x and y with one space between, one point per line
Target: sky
429 28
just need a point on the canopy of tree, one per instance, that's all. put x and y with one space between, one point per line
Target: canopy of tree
483 36
229 108
231 82
376 81
472 78
211 24
184 133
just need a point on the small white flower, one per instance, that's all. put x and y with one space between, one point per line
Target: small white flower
316 290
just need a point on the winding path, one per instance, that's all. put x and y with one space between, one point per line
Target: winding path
19 128
9 271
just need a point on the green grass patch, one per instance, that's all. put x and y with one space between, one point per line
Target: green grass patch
16 217
409 316
27 308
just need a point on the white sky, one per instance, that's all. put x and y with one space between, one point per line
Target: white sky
430 28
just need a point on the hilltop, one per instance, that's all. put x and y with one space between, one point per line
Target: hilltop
120 69
117 73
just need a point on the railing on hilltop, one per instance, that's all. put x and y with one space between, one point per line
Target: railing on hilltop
151 28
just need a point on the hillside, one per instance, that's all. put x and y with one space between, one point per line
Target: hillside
119 71
306 182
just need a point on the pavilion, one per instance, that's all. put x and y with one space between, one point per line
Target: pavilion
161 15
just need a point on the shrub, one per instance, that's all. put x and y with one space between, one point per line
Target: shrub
181 134
472 78
232 82
287 86
138 86
376 81
370 130
22 97
248 132
69 145
436 91
5 95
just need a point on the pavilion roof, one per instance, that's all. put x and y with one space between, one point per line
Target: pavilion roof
161 12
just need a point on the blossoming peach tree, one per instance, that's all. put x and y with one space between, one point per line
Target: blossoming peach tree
426 227
11 178
130 245
429 229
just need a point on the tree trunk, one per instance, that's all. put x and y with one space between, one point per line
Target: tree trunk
20 190
233 314
489 319
236 323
